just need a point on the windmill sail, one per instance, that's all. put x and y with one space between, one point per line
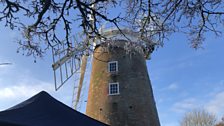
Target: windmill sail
66 62
82 74
75 60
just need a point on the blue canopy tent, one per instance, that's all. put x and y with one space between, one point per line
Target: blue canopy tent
43 110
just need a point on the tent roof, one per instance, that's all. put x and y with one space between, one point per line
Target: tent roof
43 110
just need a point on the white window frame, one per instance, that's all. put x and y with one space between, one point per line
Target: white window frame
111 63
118 91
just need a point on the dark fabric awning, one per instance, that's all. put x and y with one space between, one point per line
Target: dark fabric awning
43 110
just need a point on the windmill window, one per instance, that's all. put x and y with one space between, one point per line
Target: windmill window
114 88
113 66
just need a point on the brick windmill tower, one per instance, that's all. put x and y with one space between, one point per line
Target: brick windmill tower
120 91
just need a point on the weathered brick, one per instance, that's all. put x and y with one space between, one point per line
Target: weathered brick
135 105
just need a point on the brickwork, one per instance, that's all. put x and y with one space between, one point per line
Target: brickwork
135 105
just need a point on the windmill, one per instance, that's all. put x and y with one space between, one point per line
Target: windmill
120 92
112 91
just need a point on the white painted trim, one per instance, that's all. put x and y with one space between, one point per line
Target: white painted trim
108 67
118 90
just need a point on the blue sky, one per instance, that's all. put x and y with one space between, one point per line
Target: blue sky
182 78
186 79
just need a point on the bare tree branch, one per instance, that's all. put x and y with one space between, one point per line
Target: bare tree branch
154 20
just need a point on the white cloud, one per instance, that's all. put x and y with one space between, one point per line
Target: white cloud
216 104
3 66
170 124
219 87
172 86
185 105
11 95
5 69
23 90
18 84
